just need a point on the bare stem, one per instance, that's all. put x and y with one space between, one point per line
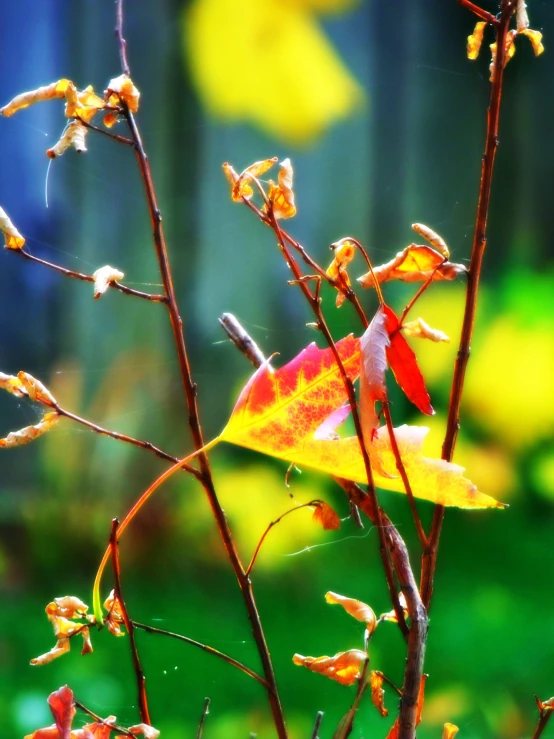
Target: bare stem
205 648
139 673
100 720
205 712
545 714
191 398
109 134
88 278
479 12
474 273
318 720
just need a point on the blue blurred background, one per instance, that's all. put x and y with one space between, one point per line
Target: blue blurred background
383 117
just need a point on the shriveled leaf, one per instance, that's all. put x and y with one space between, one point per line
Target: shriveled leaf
30 433
415 263
326 516
96 730
344 667
83 104
61 647
373 345
377 693
12 238
114 619
103 278
391 615
356 608
282 195
63 709
433 238
73 136
535 37
35 389
61 613
148 732
240 187
48 92
344 254
122 89
450 731
68 606
475 40
510 48
403 363
421 330
278 413
12 385
547 705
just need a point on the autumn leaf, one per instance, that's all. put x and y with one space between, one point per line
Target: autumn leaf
433 238
415 263
450 731
122 89
114 619
63 710
377 693
12 238
47 92
30 433
63 614
282 195
475 40
344 254
360 611
373 346
421 330
345 667
326 516
403 363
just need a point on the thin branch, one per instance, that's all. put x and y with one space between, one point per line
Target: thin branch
205 648
205 712
241 339
88 278
479 12
139 673
474 274
121 43
545 714
109 134
100 720
128 439
318 720
270 526
347 723
389 682
190 390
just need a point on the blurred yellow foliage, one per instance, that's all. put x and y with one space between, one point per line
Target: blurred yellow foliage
268 62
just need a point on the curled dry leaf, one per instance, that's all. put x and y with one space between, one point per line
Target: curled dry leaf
103 278
240 187
282 195
545 705
535 37
30 433
326 516
356 608
450 731
122 89
12 385
433 238
35 389
344 667
48 92
114 619
421 330
61 612
12 238
377 693
83 104
344 254
391 615
475 40
148 732
415 263
74 135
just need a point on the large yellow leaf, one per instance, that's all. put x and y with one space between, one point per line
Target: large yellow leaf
285 414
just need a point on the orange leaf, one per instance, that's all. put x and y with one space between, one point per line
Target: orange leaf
432 237
48 92
12 238
415 263
421 330
535 37
63 710
377 692
122 88
240 187
356 608
282 195
326 516
373 345
394 733
404 365
475 40
345 667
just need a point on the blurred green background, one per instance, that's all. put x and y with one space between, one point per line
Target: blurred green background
383 117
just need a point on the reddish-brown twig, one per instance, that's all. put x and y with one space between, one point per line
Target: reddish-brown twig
545 714
191 399
209 650
473 278
139 673
88 278
100 720
479 12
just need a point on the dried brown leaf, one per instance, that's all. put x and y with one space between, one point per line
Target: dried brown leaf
475 40
377 693
73 136
326 516
122 89
415 263
12 238
356 608
433 238
12 385
115 615
35 389
48 92
240 187
282 195
30 433
535 37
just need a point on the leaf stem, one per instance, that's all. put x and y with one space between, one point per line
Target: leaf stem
139 673
501 25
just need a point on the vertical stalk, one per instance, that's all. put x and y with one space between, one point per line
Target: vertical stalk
501 24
